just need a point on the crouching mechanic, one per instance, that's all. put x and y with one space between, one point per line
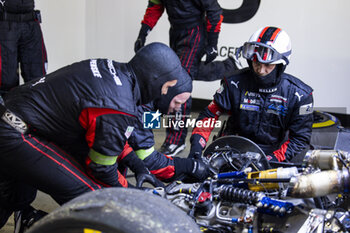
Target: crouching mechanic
62 133
266 105
141 142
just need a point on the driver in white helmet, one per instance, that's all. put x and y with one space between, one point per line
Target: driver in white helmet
270 107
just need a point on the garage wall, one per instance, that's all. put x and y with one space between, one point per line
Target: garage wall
64 29
80 29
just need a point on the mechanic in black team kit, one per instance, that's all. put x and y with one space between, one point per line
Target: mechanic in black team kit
194 31
21 42
266 105
62 133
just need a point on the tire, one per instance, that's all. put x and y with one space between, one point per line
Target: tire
325 129
116 210
324 120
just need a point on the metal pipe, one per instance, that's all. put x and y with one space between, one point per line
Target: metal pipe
319 184
324 159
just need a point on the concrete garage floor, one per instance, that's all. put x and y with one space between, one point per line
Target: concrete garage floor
46 203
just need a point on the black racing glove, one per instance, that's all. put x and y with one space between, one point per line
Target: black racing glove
150 178
141 39
196 148
211 50
200 170
141 172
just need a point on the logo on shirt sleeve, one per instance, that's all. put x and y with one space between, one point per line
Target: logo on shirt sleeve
128 131
306 109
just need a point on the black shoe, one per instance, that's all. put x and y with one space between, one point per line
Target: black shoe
26 218
172 149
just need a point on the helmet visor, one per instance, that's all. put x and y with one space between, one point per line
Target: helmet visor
262 52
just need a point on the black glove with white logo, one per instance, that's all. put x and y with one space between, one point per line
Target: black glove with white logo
211 50
200 170
141 39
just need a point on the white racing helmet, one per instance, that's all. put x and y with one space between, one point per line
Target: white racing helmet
269 45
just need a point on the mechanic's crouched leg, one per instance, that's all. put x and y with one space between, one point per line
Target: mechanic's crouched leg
31 163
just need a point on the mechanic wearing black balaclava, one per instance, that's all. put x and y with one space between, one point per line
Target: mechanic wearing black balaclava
266 105
62 133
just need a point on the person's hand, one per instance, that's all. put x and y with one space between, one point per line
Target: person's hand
149 178
200 170
197 146
141 39
195 154
139 43
211 52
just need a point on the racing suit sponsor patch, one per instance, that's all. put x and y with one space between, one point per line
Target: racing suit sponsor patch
114 73
252 94
306 109
128 131
202 142
235 83
278 99
251 98
251 101
249 107
277 109
94 68
42 80
267 90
